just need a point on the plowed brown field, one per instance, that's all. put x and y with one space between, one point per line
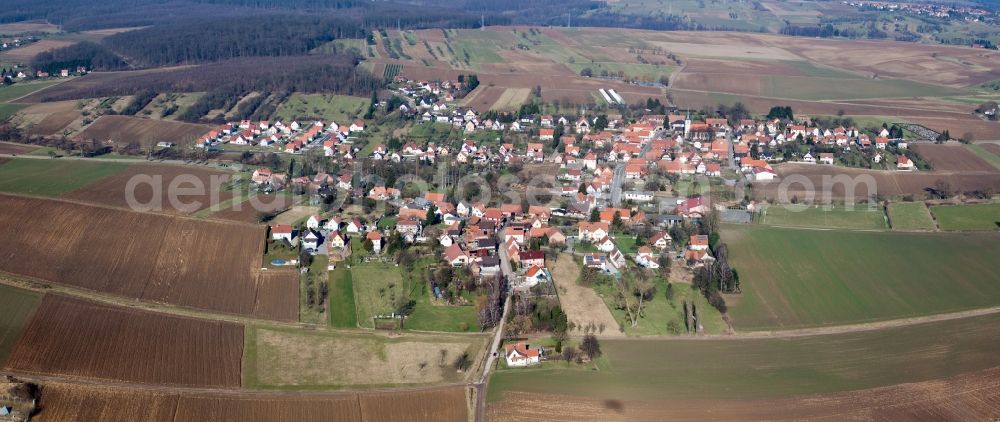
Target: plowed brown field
75 337
28 52
147 132
9 148
112 190
974 396
209 265
888 183
277 295
68 402
953 158
248 211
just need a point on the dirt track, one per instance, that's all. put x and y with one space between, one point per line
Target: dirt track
820 331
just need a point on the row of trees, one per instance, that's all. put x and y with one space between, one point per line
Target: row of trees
74 15
87 54
138 102
717 277
489 303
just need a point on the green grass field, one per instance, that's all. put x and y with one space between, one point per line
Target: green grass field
659 312
21 89
377 287
7 110
816 89
768 368
338 108
16 308
985 155
52 177
820 71
967 217
428 316
310 281
625 243
839 216
343 313
910 216
645 72
793 278
473 48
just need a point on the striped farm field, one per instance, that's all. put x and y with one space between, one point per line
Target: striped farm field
511 99
46 178
202 264
63 402
16 308
794 278
75 337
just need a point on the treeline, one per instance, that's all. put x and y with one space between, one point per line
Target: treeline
213 40
267 73
90 55
422 17
139 102
828 31
77 15
307 78
663 22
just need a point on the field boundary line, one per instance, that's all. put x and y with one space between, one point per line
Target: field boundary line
129 161
821 331
826 229
110 207
838 101
236 391
14 100
48 287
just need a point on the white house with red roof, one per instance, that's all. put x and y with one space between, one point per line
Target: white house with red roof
282 232
660 240
692 207
534 275
645 258
456 256
764 174
592 232
904 163
522 354
698 242
605 244
314 222
376 239
355 226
